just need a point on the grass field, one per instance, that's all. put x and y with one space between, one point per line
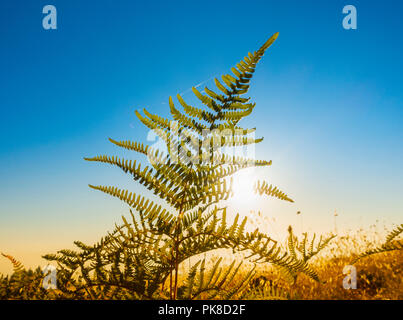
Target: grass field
379 276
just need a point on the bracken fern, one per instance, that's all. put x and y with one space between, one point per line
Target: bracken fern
142 256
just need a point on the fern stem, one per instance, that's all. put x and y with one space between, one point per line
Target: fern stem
176 246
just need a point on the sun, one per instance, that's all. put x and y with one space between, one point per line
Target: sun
244 194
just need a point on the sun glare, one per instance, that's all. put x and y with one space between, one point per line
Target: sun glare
243 188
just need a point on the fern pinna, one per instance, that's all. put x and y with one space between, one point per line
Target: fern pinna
144 254
391 244
23 284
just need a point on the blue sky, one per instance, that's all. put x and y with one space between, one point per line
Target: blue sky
329 104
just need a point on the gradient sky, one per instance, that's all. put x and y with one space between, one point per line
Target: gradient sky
329 104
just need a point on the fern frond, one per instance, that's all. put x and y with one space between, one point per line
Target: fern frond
138 257
145 176
390 245
264 188
138 202
17 265
130 145
191 280
394 233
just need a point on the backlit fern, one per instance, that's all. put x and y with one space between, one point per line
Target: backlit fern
23 284
299 254
391 244
141 257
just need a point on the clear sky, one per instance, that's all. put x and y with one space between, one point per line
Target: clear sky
329 104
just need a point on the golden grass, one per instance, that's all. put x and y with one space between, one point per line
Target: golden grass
379 276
